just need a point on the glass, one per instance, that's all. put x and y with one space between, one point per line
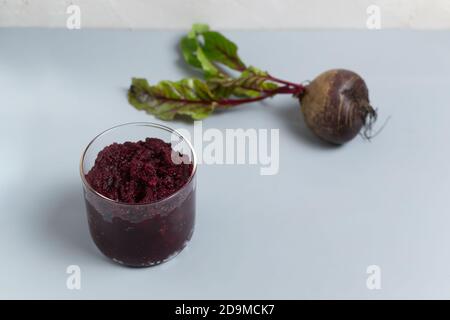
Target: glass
140 235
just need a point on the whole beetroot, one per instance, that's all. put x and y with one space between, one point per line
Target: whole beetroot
336 106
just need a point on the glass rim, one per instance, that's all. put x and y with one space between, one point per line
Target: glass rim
145 124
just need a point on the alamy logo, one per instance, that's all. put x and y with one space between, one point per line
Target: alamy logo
74 19
373 281
232 146
374 17
73 281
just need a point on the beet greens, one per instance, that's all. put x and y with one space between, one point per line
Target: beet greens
335 105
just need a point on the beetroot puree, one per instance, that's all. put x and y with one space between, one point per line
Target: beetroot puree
138 172
140 228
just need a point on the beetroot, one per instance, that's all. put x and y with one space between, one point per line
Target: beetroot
335 106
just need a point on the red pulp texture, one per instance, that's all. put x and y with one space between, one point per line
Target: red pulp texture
138 172
137 232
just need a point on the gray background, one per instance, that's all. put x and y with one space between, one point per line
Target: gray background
308 232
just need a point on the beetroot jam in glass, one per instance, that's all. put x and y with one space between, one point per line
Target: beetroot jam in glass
139 193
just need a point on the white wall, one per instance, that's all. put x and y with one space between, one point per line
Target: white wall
242 14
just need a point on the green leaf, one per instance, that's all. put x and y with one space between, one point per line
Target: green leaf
208 67
208 51
250 84
193 55
251 70
220 49
204 49
198 28
189 50
190 97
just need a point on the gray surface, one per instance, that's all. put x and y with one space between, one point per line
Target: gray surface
308 232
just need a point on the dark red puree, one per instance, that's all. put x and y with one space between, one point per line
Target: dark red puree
142 227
